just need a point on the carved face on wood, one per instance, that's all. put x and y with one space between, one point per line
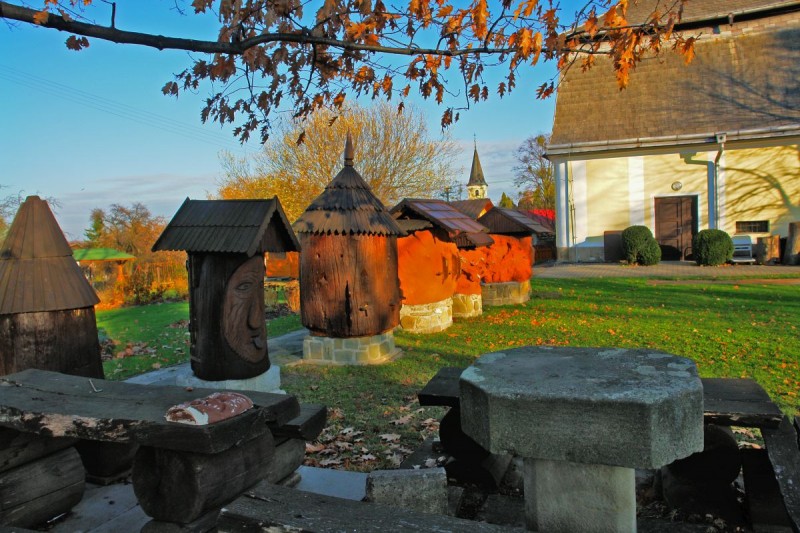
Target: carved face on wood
243 321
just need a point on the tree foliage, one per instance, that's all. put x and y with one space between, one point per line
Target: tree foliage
394 153
506 201
289 54
131 229
534 174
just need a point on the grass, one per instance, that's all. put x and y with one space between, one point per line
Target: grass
728 329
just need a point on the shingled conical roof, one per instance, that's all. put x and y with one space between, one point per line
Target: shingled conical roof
347 206
37 270
476 173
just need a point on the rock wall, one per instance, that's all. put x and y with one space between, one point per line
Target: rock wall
508 259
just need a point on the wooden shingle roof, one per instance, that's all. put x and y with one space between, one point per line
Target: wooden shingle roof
229 226
463 230
473 208
506 221
37 271
347 206
743 84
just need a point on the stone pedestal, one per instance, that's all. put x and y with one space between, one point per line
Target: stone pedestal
583 419
372 350
599 494
427 318
269 381
467 305
506 293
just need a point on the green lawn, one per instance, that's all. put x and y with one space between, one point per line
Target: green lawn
729 329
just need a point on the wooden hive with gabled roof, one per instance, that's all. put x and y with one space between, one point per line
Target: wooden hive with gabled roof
348 269
226 241
47 318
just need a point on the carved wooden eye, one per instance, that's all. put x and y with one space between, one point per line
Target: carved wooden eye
244 286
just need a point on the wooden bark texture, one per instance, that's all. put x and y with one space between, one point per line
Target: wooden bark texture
33 493
289 455
791 254
349 285
61 341
17 448
52 404
106 459
180 486
768 249
212 358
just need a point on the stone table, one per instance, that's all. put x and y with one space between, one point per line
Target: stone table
583 419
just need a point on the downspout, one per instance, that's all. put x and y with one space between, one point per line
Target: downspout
721 138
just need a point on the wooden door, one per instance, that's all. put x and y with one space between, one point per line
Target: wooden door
676 225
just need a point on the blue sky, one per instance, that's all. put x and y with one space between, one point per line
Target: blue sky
92 128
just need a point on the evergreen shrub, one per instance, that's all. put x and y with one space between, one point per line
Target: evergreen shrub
640 246
712 247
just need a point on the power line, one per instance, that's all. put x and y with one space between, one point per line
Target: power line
118 109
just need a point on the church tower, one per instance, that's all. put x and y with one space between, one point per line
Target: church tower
477 187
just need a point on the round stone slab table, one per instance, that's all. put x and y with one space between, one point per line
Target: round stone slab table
583 419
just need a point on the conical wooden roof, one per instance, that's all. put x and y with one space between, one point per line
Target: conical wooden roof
37 270
347 206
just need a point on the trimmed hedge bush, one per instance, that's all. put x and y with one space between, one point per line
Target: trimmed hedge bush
712 247
640 246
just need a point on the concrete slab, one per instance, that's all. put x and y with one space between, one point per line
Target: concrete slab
633 408
338 483
423 490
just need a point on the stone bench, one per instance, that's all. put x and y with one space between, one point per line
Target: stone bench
268 507
180 472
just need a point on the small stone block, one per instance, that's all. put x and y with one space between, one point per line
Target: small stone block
423 490
563 497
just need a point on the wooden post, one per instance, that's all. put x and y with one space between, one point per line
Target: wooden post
791 254
768 250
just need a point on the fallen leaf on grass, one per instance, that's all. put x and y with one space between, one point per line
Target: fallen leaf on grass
390 437
314 448
402 420
330 462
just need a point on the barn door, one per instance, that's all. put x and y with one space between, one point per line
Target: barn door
676 225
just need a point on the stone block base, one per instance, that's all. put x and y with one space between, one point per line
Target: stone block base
427 318
269 381
467 305
506 293
562 497
372 350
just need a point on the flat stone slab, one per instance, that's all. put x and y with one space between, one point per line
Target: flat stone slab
631 408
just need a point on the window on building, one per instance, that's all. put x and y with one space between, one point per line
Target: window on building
752 226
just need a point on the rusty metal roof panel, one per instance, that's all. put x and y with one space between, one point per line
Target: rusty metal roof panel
473 240
474 208
228 226
37 270
410 225
347 206
509 221
464 231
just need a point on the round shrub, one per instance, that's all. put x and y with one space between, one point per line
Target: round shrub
712 247
640 246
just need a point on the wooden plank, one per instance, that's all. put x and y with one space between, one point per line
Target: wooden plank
307 426
738 402
762 494
18 448
442 389
58 405
35 492
784 455
271 506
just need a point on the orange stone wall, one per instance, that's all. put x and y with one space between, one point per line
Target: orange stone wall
508 259
286 265
428 268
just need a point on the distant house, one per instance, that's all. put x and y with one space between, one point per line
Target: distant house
712 144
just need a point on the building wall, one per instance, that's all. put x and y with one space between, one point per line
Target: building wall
612 193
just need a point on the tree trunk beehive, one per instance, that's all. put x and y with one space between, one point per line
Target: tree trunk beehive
349 285
61 341
227 322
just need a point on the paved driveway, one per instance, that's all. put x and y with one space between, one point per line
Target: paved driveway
665 269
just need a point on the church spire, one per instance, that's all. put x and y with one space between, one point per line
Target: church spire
477 186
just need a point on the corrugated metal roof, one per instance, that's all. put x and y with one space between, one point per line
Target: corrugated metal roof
459 227
229 226
347 206
37 271
739 81
509 222
101 254
473 208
